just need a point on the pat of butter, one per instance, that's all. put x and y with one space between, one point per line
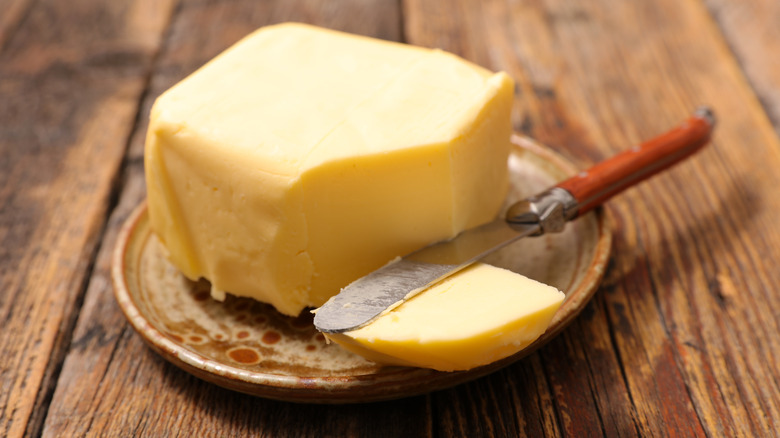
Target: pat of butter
301 159
478 316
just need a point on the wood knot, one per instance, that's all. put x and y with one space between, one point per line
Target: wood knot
722 289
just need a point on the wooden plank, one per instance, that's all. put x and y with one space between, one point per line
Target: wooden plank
70 95
751 30
14 12
687 319
494 406
111 384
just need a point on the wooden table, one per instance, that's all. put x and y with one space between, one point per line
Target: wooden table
681 339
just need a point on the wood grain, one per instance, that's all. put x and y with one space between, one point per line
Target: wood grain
750 29
70 96
687 304
13 15
681 339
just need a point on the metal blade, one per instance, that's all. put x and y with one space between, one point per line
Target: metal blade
389 286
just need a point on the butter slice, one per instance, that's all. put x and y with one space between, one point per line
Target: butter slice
478 316
301 159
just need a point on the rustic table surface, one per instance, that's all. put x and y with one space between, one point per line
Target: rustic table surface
681 338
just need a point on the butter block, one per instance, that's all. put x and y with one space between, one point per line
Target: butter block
301 159
478 316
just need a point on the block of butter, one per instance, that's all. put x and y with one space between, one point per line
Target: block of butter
301 159
478 316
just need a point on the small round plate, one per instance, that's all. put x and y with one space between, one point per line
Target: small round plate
247 346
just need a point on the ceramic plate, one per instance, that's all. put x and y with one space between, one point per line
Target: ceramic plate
246 346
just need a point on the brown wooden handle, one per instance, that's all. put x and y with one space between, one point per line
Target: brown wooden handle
594 186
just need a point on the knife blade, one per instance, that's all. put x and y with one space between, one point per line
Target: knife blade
382 290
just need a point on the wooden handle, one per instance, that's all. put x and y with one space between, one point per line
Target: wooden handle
593 187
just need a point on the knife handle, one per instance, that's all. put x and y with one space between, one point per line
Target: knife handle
550 210
594 186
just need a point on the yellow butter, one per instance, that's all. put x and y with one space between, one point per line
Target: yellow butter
301 159
476 317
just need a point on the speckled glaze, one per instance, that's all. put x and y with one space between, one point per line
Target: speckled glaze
247 346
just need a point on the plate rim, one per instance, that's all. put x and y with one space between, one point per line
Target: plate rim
393 382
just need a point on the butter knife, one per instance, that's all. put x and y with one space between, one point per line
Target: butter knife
368 297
